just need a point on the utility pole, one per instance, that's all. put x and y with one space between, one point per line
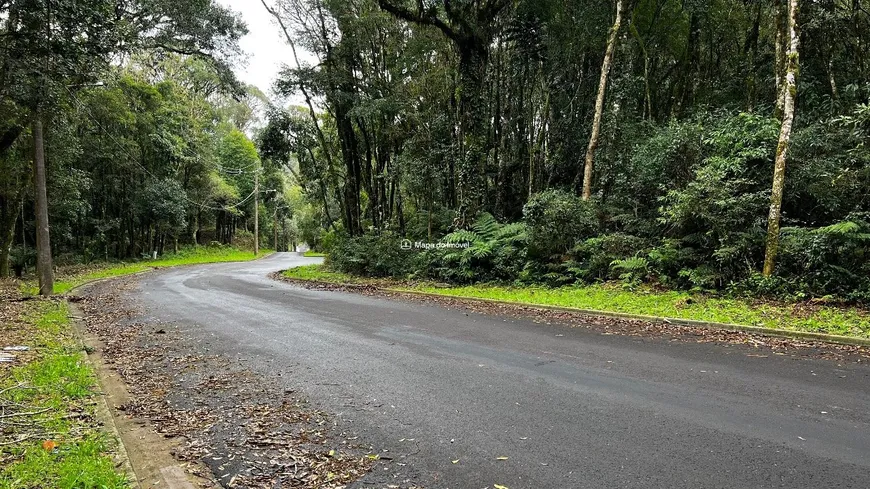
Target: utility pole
275 227
257 210
43 241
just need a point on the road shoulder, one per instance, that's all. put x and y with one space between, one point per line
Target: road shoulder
190 419
610 324
146 456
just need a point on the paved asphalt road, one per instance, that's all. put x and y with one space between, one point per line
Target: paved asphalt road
570 408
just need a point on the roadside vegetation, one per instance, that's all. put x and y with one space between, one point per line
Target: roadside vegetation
72 276
49 436
657 162
642 300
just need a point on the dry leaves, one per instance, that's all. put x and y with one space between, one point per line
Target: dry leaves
247 431
615 326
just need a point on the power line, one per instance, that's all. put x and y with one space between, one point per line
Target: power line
201 205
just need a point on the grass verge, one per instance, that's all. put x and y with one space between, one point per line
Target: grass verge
313 254
49 436
75 276
613 298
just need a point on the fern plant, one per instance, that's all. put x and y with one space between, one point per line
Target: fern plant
632 271
488 251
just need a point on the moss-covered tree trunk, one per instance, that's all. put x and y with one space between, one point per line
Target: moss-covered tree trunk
790 93
780 63
599 102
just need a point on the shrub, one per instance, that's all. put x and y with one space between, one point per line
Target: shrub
373 255
719 218
591 260
556 221
495 252
327 242
632 271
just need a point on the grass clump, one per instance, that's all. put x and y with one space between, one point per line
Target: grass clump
847 321
80 465
318 273
313 254
53 439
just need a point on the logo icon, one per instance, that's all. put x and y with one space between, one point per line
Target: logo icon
406 244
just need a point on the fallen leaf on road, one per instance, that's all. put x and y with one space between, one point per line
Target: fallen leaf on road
499 486
455 461
501 458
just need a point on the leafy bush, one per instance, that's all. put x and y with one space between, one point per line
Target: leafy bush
495 252
556 221
374 255
719 218
327 241
662 160
632 271
591 260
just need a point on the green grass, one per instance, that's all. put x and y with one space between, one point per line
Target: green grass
189 256
671 304
59 386
75 466
317 273
314 254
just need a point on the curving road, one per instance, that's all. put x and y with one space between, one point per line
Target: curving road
569 408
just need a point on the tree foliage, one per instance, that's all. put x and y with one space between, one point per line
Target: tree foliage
436 113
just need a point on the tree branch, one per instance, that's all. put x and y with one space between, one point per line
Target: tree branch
7 139
492 8
422 16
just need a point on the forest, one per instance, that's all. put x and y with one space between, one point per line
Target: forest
711 145
131 115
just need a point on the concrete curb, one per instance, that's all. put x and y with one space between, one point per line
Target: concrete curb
103 410
172 475
758 330
144 455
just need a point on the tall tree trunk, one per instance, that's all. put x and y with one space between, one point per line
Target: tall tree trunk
599 102
780 63
9 213
751 49
473 150
792 65
43 239
256 210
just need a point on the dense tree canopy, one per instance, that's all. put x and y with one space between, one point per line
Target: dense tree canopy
145 128
693 144
432 114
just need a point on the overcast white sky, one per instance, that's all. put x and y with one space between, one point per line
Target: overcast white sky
264 45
